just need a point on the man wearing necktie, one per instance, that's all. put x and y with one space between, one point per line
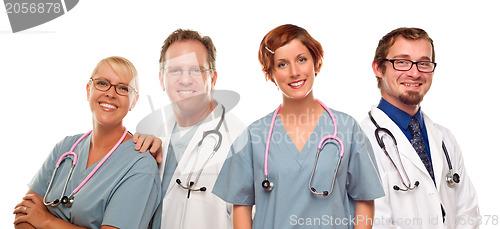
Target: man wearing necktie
404 65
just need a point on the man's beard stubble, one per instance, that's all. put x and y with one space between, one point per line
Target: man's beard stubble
411 98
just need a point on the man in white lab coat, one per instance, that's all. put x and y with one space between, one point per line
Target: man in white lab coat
414 173
197 132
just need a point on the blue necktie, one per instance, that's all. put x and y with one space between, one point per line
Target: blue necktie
417 142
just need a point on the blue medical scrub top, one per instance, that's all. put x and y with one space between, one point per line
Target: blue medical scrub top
291 204
123 193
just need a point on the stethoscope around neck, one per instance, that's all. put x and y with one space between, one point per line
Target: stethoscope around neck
68 200
216 131
451 177
268 185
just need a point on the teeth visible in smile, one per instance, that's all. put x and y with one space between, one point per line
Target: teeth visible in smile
411 85
185 92
107 106
297 83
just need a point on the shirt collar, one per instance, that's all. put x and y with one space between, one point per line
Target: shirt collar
401 118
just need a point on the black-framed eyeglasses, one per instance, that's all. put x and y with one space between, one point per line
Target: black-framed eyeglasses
406 65
120 89
195 71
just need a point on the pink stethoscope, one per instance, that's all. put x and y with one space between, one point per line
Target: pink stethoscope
268 185
68 200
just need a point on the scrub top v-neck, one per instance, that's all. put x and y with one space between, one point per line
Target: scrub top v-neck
290 203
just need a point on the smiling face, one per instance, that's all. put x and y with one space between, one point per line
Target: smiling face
405 89
187 78
294 70
108 107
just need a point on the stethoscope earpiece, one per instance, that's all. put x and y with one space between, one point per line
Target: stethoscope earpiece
415 185
267 185
324 193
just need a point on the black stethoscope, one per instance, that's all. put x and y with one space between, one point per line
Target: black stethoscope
268 185
451 177
215 131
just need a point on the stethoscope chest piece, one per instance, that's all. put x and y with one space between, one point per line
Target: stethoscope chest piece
267 185
451 180
67 201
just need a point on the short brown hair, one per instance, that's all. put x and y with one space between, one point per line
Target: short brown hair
389 39
186 34
282 35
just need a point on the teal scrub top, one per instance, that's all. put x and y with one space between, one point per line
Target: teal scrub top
291 204
123 193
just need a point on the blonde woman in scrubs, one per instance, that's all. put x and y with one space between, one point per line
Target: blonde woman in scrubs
124 191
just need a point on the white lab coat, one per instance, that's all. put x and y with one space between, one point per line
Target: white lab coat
202 209
420 208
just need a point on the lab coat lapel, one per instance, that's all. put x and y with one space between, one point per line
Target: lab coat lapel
405 148
185 164
435 145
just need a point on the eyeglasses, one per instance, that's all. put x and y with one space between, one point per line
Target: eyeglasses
121 89
178 71
406 65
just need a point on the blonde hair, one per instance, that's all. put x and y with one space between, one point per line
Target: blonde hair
122 67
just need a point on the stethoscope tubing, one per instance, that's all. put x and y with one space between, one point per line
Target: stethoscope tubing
100 163
74 162
215 131
268 186
380 141
266 154
454 177
75 156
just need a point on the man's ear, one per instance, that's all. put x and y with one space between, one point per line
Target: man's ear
376 69
214 80
160 77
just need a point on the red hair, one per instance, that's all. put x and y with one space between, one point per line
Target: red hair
281 36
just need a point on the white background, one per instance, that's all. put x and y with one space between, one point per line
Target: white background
44 70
